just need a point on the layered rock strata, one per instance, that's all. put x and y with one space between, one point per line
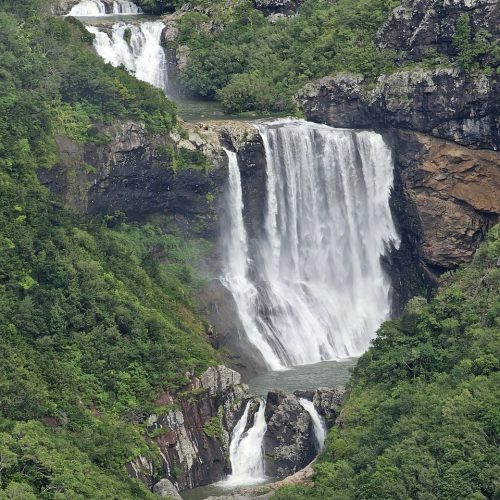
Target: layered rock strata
193 428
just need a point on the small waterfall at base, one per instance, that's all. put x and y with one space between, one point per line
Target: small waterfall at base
319 427
97 8
312 287
246 450
137 47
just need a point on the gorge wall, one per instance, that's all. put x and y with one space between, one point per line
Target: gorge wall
444 125
193 428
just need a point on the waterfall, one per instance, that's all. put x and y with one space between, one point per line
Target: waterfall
319 427
246 450
137 47
312 286
236 278
97 8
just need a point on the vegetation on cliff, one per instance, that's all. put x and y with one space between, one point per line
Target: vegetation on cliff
93 327
422 418
251 64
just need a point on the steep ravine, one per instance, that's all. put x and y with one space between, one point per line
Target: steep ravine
443 201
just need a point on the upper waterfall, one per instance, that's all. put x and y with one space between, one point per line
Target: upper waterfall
137 47
312 287
97 8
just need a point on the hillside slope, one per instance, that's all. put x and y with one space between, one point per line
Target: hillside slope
93 326
422 417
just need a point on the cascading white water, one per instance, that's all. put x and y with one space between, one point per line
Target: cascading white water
236 278
319 427
246 450
312 288
97 8
137 47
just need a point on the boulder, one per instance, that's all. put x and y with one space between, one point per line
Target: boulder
166 489
289 441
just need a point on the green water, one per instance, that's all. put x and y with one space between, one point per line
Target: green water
199 110
324 374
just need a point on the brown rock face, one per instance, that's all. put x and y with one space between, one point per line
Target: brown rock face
193 436
455 191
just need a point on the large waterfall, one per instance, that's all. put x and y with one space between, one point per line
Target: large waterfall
312 287
246 450
97 8
137 47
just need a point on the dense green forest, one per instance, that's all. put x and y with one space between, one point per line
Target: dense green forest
248 63
92 328
422 419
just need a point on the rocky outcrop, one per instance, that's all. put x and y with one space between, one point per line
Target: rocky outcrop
135 173
165 489
441 102
288 442
455 193
280 7
193 434
417 26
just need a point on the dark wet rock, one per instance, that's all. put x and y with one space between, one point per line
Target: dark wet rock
442 102
417 26
133 173
289 441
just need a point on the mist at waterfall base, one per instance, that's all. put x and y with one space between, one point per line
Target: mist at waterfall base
311 287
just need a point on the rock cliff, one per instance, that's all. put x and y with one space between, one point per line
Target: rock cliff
444 125
442 102
192 430
193 433
136 173
417 26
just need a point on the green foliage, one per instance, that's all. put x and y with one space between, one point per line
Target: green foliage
422 417
213 427
472 50
52 82
97 318
238 56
